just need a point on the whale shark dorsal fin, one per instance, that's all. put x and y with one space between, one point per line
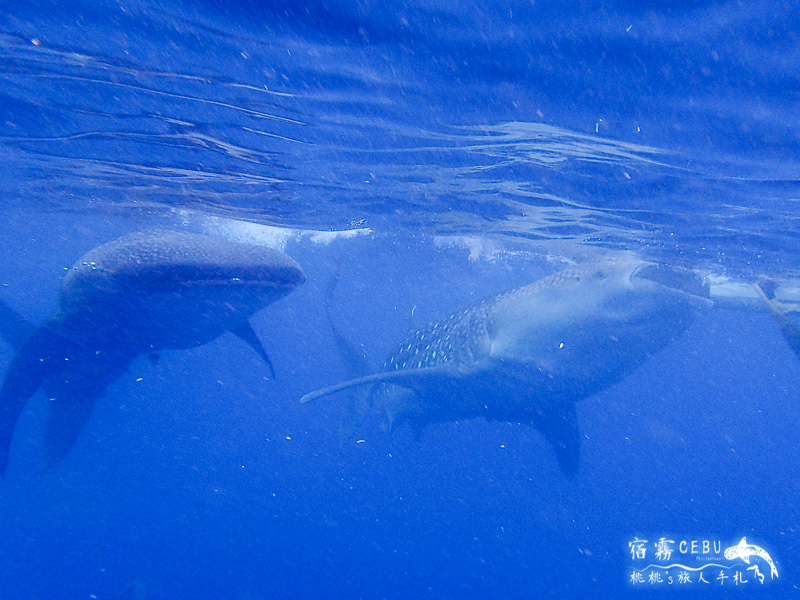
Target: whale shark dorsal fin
244 331
745 556
414 379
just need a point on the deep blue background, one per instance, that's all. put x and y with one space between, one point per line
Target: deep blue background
518 131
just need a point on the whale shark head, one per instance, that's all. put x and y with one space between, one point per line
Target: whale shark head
169 289
198 267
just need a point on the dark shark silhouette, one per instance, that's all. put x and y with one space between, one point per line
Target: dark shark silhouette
785 314
139 294
528 355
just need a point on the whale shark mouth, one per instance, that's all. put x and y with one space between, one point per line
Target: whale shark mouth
270 279
232 285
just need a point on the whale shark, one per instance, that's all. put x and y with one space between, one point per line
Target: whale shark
144 292
745 551
784 313
528 355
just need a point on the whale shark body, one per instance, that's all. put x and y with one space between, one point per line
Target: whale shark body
139 294
530 354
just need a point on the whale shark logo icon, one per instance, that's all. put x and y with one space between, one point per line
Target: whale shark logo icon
744 551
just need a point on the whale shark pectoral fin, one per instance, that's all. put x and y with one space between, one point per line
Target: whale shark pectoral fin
414 379
559 426
245 332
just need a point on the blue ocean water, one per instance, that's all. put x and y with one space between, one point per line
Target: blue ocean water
459 150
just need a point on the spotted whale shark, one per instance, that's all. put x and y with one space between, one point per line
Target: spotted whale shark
142 293
528 355
745 552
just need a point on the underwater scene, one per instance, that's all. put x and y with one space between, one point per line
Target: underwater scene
428 299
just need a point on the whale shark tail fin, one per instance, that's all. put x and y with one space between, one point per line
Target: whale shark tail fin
16 389
66 418
785 314
14 328
355 365
357 407
353 359
11 405
75 378
72 396
36 359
